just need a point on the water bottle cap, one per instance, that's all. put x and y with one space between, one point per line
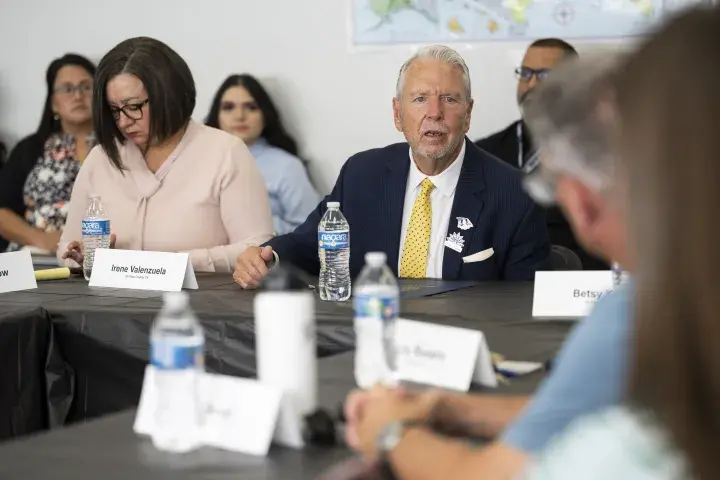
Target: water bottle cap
175 300
375 259
94 195
333 204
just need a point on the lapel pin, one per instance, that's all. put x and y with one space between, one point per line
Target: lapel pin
464 223
455 241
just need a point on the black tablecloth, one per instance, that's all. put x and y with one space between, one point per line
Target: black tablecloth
107 448
103 334
36 384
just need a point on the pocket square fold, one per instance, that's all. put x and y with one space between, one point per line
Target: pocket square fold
479 256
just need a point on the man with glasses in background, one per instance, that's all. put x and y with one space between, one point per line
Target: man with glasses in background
514 146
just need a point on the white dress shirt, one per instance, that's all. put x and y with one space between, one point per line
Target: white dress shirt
441 200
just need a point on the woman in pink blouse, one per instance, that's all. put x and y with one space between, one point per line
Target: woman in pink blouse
167 183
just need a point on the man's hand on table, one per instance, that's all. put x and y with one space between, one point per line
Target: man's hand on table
252 266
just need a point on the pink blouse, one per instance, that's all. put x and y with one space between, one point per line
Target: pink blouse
208 199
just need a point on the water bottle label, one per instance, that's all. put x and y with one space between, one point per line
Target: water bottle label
372 306
95 227
169 355
334 240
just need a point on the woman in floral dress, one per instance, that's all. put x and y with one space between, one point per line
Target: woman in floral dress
36 182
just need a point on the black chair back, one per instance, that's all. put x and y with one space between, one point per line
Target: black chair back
562 258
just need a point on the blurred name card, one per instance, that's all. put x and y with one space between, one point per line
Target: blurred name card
16 272
442 356
239 414
569 295
139 270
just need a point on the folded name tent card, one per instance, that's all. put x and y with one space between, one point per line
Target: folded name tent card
16 271
569 295
239 414
442 356
142 270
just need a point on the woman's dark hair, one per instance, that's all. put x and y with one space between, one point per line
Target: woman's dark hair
48 124
273 132
167 80
669 109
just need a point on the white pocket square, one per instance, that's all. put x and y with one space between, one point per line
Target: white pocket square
479 257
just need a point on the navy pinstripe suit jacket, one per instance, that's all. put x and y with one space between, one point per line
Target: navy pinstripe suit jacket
371 192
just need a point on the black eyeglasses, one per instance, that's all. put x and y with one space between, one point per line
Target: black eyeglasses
83 89
133 111
525 74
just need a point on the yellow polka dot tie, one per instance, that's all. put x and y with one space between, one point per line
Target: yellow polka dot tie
417 240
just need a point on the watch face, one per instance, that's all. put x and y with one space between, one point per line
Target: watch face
391 436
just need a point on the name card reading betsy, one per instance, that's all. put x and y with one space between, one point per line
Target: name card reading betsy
141 270
570 295
16 271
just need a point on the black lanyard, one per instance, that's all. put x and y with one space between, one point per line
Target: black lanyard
521 150
534 159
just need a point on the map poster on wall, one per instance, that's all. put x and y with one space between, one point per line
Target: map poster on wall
386 22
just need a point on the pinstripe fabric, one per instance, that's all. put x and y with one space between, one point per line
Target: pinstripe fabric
371 192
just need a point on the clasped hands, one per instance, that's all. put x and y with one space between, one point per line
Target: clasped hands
252 266
368 412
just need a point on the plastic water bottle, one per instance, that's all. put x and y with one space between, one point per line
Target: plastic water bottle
177 353
95 232
376 301
334 253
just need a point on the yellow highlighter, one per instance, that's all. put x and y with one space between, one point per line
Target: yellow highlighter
52 274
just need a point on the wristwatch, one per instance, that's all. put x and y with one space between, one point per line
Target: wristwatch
387 441
390 436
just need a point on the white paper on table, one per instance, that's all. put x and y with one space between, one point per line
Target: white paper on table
239 414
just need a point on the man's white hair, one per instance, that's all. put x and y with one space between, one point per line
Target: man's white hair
571 119
435 52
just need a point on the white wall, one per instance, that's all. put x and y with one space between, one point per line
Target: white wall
335 101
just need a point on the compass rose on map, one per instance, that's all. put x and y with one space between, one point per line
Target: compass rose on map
564 14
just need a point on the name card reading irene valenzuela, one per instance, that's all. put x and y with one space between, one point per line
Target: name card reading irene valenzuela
140 270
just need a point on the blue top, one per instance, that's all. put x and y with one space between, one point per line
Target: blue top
617 443
292 196
588 376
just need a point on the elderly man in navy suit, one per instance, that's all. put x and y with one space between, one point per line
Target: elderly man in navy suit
438 206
